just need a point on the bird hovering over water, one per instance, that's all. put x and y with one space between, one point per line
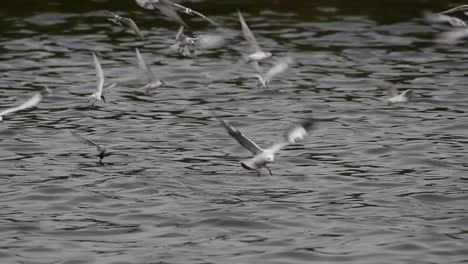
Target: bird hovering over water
98 95
151 80
103 151
258 54
279 67
33 101
126 23
392 93
264 157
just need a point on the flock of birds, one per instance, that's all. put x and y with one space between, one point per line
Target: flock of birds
189 45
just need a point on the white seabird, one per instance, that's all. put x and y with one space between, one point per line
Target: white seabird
151 80
393 96
126 23
33 101
264 157
258 54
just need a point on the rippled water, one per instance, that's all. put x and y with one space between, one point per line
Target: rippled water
372 184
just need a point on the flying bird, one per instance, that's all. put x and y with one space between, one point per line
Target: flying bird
455 9
33 101
279 67
151 80
98 95
257 53
442 18
262 158
101 149
126 23
392 93
165 6
192 12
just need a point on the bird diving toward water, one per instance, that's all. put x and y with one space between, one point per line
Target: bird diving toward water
125 23
98 95
103 151
264 157
151 80
33 101
257 53
279 67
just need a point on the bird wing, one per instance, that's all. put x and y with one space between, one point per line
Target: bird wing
84 140
278 68
193 12
99 74
33 101
293 134
146 69
389 87
133 26
408 94
241 138
455 9
249 37
165 6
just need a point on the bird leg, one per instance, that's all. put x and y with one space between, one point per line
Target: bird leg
269 171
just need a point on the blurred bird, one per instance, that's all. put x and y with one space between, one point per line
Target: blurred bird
264 157
151 80
392 93
103 151
125 23
33 101
192 12
98 95
441 18
279 67
257 53
165 6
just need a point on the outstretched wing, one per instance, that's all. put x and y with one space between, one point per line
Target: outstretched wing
146 69
293 134
389 87
455 9
99 74
193 12
241 138
133 26
249 37
33 101
165 6
278 68
84 140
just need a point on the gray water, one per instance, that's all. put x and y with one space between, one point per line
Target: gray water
372 183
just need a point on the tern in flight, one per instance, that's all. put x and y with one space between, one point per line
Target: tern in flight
264 157
257 54
103 151
126 23
151 80
279 67
98 96
33 101
165 6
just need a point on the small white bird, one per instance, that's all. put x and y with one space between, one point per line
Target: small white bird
103 151
393 96
165 6
126 23
264 157
279 67
98 95
151 80
33 101
257 54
